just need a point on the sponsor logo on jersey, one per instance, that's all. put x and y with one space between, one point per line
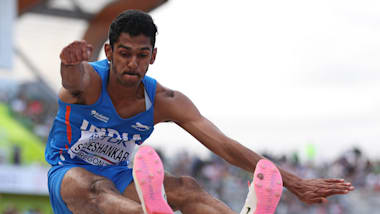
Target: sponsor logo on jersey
99 116
141 127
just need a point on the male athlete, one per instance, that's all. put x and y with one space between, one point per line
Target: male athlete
109 106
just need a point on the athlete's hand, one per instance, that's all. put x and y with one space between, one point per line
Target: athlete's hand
75 53
313 191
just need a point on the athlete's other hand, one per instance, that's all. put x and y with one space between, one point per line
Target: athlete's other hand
75 53
313 191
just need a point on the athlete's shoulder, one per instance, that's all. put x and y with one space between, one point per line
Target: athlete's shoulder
165 100
173 105
163 92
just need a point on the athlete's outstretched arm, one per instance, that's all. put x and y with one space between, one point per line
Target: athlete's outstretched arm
174 106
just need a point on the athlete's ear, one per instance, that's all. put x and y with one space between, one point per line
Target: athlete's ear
153 58
108 51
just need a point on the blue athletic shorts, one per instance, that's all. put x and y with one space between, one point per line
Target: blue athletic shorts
121 176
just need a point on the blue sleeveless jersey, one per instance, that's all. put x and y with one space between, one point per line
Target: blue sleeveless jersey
95 134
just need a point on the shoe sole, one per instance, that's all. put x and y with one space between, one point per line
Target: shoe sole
268 187
148 174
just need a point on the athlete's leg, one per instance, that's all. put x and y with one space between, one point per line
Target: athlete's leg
182 193
185 194
85 192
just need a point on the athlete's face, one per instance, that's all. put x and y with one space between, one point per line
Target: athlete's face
130 58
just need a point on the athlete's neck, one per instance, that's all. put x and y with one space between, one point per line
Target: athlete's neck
121 92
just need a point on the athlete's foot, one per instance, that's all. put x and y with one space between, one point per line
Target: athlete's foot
148 174
265 190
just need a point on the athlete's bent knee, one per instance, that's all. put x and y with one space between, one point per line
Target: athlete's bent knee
100 189
187 189
190 184
82 190
100 185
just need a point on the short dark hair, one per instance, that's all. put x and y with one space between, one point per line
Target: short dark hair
133 22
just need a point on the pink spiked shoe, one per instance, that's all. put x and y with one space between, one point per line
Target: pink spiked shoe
265 190
148 174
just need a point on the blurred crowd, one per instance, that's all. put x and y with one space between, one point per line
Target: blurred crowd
14 210
31 103
33 106
230 184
